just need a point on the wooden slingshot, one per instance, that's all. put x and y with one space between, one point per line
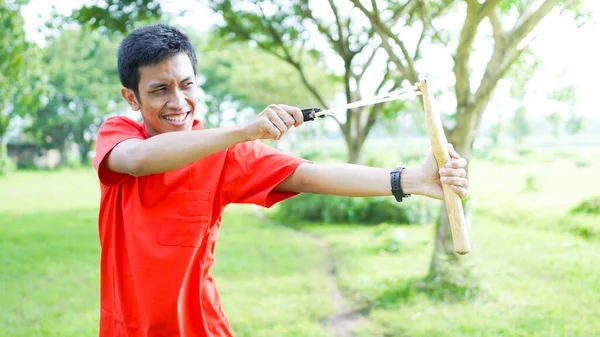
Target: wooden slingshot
439 145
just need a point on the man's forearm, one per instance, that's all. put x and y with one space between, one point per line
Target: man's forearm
171 150
348 180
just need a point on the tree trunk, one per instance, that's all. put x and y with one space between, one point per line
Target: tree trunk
3 155
354 151
84 150
64 154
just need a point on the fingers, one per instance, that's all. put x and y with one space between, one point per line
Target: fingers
454 181
271 130
295 112
284 115
461 191
450 172
456 163
273 115
452 152
454 174
282 118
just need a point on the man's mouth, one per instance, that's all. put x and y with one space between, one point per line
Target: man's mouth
176 118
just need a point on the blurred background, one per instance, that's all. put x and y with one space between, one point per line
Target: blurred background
515 82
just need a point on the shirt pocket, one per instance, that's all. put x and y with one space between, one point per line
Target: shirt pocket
185 219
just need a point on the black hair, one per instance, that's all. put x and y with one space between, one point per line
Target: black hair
147 46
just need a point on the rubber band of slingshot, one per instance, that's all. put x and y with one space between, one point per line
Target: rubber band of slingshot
386 97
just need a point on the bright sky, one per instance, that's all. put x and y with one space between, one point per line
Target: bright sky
561 46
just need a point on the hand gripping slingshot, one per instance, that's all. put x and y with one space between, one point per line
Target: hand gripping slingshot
454 207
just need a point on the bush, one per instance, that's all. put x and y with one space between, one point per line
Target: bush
583 220
586 226
7 165
389 239
333 209
588 206
532 183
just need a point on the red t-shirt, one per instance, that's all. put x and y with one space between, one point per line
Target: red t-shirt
158 234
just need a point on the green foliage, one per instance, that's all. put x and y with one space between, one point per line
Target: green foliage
367 211
116 15
238 76
532 183
82 69
333 209
389 239
520 125
580 162
7 165
20 68
575 124
588 206
584 225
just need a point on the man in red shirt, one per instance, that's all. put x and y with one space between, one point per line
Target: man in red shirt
165 182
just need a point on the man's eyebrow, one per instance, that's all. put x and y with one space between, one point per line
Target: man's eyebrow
157 85
189 78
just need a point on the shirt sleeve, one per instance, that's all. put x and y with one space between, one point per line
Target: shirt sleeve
253 170
113 131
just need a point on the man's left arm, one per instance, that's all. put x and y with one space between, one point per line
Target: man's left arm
362 181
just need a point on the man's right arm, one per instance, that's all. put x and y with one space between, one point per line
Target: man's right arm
168 151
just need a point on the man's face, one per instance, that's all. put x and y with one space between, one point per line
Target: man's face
167 93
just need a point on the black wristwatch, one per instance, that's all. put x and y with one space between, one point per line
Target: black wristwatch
396 186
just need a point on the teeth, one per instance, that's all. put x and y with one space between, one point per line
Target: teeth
178 119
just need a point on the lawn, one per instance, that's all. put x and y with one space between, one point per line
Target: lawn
273 281
538 277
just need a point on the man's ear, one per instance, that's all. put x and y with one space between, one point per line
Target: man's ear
129 96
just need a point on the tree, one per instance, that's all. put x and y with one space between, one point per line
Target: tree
510 40
519 76
291 29
275 27
20 76
237 75
520 127
115 15
565 116
374 36
82 69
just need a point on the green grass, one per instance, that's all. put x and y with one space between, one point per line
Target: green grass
535 263
273 281
539 277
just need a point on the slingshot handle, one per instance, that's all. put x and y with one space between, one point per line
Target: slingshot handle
439 144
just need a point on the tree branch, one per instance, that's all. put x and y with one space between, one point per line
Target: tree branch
488 7
338 22
497 28
462 73
366 65
499 64
402 11
520 31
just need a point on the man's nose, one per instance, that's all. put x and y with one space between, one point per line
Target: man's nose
177 100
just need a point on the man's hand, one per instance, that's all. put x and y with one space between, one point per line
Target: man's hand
273 122
454 174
